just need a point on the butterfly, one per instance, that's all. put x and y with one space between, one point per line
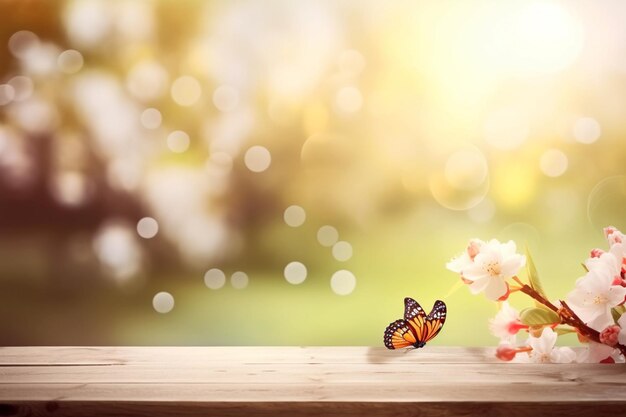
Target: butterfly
416 328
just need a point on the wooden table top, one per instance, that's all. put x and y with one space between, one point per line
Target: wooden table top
302 381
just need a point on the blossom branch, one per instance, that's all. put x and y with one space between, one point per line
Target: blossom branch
567 315
594 308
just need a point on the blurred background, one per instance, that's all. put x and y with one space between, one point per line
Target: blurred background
247 172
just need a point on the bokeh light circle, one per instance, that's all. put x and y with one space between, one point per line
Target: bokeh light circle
147 227
214 278
178 141
147 80
163 302
342 251
454 198
257 158
294 216
21 41
327 235
466 169
343 282
606 202
186 90
151 118
587 130
239 280
70 61
553 163
295 273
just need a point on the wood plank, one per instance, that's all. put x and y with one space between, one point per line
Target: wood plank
315 392
294 373
263 381
246 354
310 409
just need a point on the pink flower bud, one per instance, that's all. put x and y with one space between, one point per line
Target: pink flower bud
473 248
516 326
505 353
609 335
596 253
613 235
609 230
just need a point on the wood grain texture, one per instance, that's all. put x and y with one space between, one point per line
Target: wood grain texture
307 381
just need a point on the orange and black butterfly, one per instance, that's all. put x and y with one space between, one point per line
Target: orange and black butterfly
416 328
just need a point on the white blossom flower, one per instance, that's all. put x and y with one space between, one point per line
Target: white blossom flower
466 259
595 293
613 235
618 250
506 324
598 352
489 268
544 351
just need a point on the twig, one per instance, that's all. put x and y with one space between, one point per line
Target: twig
567 316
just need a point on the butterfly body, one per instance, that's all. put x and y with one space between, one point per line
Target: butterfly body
416 328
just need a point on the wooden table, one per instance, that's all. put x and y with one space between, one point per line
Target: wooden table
298 381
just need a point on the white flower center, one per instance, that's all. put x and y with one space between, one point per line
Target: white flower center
600 299
493 268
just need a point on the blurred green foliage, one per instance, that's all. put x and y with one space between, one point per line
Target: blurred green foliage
410 127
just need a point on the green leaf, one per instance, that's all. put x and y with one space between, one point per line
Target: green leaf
535 316
533 278
561 330
616 314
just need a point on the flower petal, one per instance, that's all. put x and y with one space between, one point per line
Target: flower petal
479 285
547 340
512 265
562 355
474 273
579 298
616 295
495 289
602 320
459 263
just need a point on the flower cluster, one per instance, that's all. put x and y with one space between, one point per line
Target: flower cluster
594 309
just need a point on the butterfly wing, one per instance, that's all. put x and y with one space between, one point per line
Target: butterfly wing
412 309
416 328
434 321
399 334
415 317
